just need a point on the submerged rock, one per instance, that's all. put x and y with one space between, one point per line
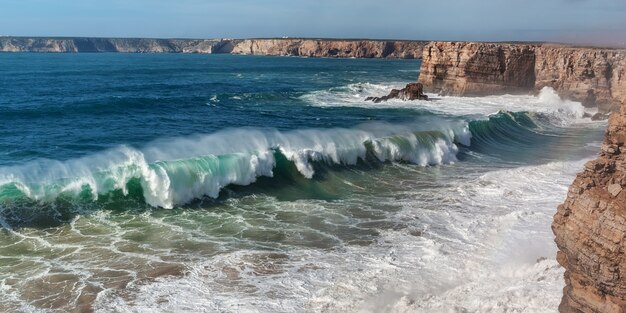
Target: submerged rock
599 117
412 91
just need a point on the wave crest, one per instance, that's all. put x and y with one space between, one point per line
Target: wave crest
172 172
176 171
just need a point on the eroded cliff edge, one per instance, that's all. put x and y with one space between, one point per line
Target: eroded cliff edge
595 77
396 49
590 229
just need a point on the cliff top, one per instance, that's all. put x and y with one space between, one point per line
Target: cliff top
532 43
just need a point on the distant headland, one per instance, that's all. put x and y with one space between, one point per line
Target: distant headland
306 47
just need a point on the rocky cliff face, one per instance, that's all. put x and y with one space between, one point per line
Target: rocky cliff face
595 77
136 45
290 47
477 68
590 229
591 76
331 48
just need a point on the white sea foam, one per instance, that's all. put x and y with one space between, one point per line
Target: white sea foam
563 112
486 247
349 95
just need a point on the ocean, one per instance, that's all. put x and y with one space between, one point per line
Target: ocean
224 183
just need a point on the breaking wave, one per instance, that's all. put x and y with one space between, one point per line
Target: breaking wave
172 172
176 171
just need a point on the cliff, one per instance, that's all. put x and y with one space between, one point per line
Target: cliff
595 77
588 75
590 229
283 47
475 69
331 48
134 45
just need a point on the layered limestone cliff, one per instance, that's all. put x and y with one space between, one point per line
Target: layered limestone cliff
595 77
590 229
474 69
331 48
286 47
135 45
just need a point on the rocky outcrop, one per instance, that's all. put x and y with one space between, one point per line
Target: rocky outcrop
590 229
412 91
283 47
595 77
331 48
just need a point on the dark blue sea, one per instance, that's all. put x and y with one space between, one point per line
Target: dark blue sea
222 183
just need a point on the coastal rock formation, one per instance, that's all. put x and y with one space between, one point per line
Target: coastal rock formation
133 45
590 229
412 91
477 69
592 76
331 48
284 47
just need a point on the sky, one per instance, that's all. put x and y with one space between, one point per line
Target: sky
574 21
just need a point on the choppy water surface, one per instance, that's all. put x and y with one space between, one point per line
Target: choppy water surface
138 183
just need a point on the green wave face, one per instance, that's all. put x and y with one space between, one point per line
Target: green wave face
194 172
128 172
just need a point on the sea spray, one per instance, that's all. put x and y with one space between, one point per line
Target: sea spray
548 103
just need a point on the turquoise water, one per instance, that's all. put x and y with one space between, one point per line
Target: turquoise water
134 182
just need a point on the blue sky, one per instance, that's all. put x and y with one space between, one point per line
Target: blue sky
594 21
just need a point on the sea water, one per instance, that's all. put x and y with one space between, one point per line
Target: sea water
219 183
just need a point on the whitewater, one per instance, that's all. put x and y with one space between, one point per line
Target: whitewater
218 183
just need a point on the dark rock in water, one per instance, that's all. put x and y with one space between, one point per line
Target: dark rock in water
412 91
596 117
599 117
